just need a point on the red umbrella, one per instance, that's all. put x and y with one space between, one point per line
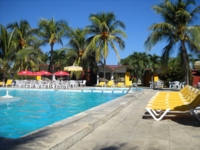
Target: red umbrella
35 74
61 73
25 73
41 73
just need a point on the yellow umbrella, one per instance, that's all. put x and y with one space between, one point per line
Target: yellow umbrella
73 68
197 64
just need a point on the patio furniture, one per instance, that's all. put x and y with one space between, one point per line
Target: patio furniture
65 85
2 84
83 83
171 84
8 83
176 84
120 84
73 83
101 84
158 84
166 102
110 83
181 85
151 84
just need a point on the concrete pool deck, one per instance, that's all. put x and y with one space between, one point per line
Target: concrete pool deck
119 124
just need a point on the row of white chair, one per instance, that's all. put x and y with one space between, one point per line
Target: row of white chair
40 84
176 84
173 84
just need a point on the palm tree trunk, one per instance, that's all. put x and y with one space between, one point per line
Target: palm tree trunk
104 69
186 62
152 76
51 69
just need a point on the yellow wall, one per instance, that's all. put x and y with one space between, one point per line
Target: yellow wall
156 77
38 77
127 79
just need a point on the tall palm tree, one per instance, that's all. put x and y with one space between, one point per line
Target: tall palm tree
77 45
23 33
27 59
105 32
59 56
138 62
176 30
27 46
51 31
76 48
7 49
154 63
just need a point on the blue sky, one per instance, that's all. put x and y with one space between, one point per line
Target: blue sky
136 14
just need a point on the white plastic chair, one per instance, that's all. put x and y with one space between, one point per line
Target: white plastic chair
159 84
181 85
151 84
65 85
73 83
83 83
176 84
171 84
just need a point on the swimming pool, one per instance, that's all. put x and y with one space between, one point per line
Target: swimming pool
38 108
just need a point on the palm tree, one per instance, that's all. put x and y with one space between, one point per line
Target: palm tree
154 63
23 33
51 31
59 56
176 30
76 48
77 45
105 31
138 63
27 59
7 49
27 47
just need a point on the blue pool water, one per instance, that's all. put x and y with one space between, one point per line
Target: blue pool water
35 109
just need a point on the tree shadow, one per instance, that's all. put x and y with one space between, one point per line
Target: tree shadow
12 143
112 147
117 147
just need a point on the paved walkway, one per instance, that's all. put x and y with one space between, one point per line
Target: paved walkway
132 129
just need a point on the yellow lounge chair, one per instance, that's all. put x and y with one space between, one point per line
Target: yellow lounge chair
102 84
174 99
120 84
110 83
8 82
164 108
2 84
183 96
